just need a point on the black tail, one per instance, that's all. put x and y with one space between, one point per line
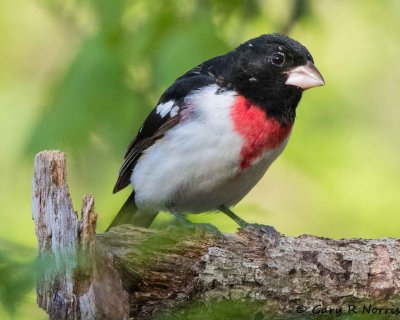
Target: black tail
130 214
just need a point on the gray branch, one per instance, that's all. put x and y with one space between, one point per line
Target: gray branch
131 272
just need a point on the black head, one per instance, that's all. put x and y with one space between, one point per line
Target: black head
272 70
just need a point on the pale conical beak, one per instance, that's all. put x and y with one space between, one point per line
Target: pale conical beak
305 77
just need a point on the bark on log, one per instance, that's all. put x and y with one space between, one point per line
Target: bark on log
138 273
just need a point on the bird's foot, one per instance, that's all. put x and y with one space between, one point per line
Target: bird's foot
197 227
269 230
245 225
203 227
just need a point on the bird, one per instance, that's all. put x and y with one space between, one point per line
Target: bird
215 131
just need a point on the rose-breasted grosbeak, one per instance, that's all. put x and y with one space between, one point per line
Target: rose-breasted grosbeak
216 130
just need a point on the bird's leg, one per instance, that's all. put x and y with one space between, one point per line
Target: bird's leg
233 216
244 224
181 218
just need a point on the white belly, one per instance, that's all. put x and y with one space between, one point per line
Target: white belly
195 166
228 191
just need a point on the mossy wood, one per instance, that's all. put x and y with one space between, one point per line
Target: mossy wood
138 273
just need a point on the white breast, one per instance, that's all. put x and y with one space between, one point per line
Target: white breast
195 166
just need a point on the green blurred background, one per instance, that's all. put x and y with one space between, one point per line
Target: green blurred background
81 75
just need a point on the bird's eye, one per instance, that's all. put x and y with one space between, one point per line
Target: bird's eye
278 58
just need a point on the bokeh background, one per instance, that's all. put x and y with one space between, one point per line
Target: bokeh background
81 75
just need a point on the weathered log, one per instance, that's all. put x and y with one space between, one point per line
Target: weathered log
131 272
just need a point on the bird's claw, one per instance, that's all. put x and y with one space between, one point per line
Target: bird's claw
200 227
259 227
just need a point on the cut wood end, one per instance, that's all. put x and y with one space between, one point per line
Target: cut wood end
55 160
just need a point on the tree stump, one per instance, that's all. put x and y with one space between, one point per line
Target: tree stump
130 272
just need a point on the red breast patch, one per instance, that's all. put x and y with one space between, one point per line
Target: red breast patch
260 133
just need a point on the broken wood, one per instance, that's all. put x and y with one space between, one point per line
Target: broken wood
132 272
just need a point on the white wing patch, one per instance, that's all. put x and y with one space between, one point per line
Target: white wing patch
174 111
164 108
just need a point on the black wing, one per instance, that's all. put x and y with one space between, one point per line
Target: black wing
155 126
